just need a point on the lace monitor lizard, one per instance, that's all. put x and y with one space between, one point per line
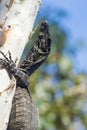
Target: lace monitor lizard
24 114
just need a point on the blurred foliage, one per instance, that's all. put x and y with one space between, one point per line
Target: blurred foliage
59 92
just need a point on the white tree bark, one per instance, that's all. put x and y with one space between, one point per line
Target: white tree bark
16 22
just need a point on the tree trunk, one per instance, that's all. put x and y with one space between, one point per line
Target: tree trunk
17 18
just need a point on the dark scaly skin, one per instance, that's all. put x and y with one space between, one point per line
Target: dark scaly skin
24 114
39 51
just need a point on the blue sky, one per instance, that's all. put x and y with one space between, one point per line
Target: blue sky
76 24
77 15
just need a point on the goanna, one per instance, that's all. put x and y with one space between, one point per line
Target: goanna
24 114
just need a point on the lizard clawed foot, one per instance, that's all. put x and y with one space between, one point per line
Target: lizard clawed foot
7 62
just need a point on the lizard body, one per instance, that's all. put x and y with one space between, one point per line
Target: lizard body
24 114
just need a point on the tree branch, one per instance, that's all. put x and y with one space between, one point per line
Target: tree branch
17 20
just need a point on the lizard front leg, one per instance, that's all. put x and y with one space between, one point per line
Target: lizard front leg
21 77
